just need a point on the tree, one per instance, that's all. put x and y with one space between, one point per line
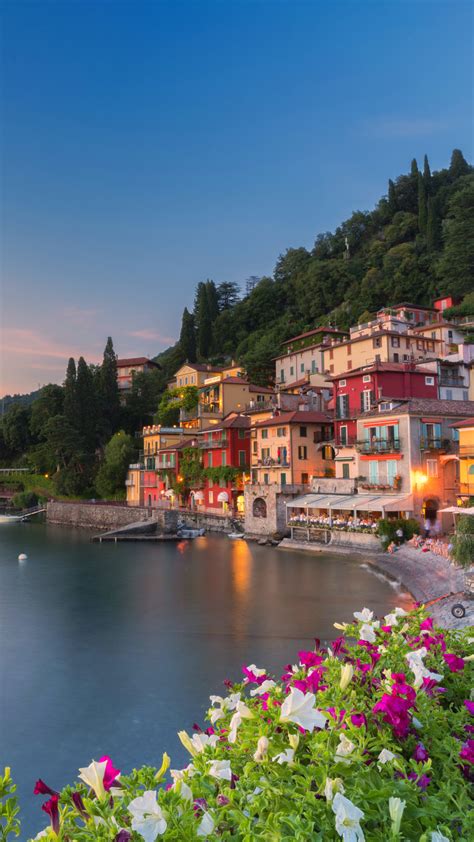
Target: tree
203 320
463 543
456 266
422 205
187 337
86 414
458 166
119 453
49 403
427 176
433 226
392 199
108 398
173 400
228 294
212 300
70 405
16 429
414 169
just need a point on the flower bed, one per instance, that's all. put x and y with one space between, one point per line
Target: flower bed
369 739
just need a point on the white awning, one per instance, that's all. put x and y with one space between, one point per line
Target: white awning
315 501
352 502
457 510
198 495
223 497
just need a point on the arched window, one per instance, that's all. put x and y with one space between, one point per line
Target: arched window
471 469
259 508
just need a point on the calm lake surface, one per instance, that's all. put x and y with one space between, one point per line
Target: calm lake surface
111 649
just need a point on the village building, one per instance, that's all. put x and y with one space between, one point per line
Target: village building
301 363
291 448
127 368
465 430
225 452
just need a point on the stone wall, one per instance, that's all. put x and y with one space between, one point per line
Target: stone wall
356 541
94 515
265 508
205 520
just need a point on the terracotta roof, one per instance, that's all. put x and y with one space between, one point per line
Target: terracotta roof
406 304
468 422
136 361
236 381
180 445
234 420
320 329
434 325
411 367
297 383
202 367
266 390
297 417
424 406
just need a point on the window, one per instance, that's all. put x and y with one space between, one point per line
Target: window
395 341
405 357
302 451
259 507
281 431
345 470
449 394
265 479
450 336
313 367
465 396
342 383
282 479
211 497
282 376
396 358
242 458
209 459
455 434
342 406
304 479
241 433
224 459
302 368
432 467
391 471
377 342
292 371
254 477
265 453
429 381
303 432
433 334
255 447
374 472
264 434
366 400
366 378
343 435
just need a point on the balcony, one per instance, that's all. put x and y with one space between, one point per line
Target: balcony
214 443
162 466
466 451
451 382
376 446
442 445
136 466
211 408
188 414
261 405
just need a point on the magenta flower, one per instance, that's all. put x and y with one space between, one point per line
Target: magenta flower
43 789
222 801
454 663
254 675
358 719
79 805
420 753
426 625
386 629
430 686
52 809
395 712
310 659
470 706
338 647
467 752
111 774
423 781
123 836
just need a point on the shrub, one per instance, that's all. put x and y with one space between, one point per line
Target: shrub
463 541
368 739
387 529
25 500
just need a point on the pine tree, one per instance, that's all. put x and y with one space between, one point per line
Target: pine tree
227 295
422 205
70 404
458 165
392 199
456 266
427 176
414 168
212 300
109 400
203 322
86 416
433 226
187 337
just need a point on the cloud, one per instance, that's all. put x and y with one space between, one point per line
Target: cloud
30 343
150 336
403 127
79 315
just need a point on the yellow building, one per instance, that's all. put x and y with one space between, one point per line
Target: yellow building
466 456
365 348
134 485
156 437
291 448
194 374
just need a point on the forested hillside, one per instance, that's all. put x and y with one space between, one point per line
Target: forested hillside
418 242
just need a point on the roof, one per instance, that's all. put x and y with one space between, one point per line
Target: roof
180 445
267 390
411 367
315 330
202 366
434 325
234 420
136 361
352 502
296 417
425 406
406 304
298 383
468 422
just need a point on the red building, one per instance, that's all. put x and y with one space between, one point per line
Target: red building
360 389
161 473
226 445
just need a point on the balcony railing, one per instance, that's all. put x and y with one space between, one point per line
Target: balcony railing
165 465
378 446
261 405
269 462
209 409
136 466
207 445
466 451
444 444
451 381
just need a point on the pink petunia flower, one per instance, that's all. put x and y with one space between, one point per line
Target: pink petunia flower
111 774
454 663
52 809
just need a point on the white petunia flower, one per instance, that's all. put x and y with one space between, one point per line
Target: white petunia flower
396 807
200 741
206 825
220 769
93 776
417 666
344 749
298 707
262 749
392 619
364 616
436 836
264 687
178 774
241 712
348 818
332 786
347 671
385 756
367 632
286 756
147 816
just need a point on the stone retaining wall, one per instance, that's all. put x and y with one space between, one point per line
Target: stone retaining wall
356 541
94 516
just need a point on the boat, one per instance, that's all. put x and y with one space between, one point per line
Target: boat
189 532
235 535
10 518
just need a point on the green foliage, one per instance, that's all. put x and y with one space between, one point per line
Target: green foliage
108 394
466 308
456 266
387 529
223 474
119 453
463 541
25 500
186 397
191 471
9 810
187 337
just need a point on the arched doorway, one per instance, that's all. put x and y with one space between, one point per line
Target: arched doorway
430 509
259 508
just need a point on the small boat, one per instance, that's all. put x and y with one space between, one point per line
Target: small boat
189 532
235 535
10 518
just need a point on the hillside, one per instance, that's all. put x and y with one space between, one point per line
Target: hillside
416 243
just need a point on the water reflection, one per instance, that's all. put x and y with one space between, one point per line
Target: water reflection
241 563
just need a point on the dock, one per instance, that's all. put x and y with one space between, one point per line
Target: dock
141 530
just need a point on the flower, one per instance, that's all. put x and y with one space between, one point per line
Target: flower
200 741
392 619
262 749
264 687
220 769
470 706
43 789
364 616
344 749
111 775
454 663
147 816
385 756
165 762
298 707
420 753
123 836
206 825
396 807
348 818
415 663
52 809
358 719
294 740
286 756
93 775
332 785
347 671
367 633
436 836
79 805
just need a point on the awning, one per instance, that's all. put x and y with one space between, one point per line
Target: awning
315 501
352 502
457 510
223 497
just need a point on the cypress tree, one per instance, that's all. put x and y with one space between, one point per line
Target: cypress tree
458 165
212 300
427 176
86 417
414 168
109 400
203 322
392 199
70 405
433 226
187 337
422 205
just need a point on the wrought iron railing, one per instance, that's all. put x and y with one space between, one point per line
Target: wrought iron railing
379 446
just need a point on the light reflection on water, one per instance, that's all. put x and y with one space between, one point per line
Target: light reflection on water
111 649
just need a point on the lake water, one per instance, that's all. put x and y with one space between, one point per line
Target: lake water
113 648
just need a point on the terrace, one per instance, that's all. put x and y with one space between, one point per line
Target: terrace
374 446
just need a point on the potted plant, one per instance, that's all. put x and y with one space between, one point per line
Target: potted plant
463 550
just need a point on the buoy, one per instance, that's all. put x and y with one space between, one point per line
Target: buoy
22 557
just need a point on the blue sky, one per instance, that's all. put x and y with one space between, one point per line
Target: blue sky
149 145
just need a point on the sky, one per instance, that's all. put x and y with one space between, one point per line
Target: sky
146 146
